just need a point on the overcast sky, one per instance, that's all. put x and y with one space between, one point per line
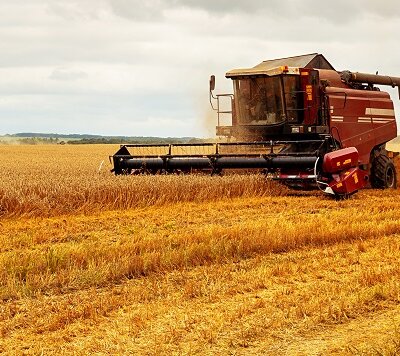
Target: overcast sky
141 68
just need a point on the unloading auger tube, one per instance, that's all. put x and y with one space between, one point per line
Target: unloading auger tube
335 173
352 78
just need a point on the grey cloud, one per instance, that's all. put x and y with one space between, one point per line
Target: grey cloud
228 6
337 11
150 10
67 74
76 10
154 10
334 10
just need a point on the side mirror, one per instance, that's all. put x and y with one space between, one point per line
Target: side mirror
212 82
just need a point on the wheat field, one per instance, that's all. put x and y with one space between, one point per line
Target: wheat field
91 263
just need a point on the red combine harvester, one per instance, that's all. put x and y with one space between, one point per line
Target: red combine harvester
299 120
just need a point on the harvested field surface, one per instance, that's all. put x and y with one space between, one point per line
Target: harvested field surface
92 263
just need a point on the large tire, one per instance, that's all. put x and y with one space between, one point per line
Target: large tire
383 173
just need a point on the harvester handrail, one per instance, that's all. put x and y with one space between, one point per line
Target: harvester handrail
260 145
283 154
255 143
166 144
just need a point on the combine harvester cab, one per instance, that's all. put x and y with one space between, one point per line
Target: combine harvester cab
298 120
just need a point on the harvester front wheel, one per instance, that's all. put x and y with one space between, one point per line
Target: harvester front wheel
383 173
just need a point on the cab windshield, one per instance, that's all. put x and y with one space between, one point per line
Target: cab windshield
266 100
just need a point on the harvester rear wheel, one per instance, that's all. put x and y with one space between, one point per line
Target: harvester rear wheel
383 173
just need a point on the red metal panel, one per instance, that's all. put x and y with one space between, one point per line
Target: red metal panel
339 160
381 112
349 181
352 119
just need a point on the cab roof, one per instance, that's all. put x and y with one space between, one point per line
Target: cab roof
273 66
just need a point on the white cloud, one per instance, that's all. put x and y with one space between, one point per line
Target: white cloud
130 67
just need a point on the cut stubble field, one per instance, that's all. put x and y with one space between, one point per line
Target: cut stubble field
93 263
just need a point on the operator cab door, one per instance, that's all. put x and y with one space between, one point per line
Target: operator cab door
302 97
294 99
309 80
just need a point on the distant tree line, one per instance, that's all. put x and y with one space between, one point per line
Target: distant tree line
143 140
31 138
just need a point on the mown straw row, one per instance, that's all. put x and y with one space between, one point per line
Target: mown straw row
142 243
258 305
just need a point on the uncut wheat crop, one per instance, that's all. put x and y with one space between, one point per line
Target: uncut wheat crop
54 180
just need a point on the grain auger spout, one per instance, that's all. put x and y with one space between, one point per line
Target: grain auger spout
296 119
